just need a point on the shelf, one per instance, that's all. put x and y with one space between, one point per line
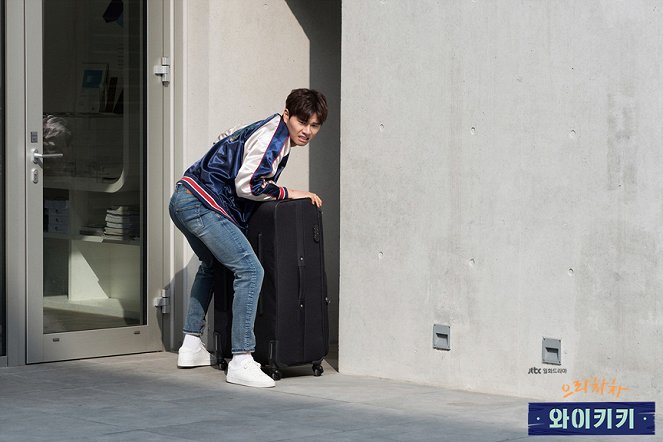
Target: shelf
85 114
108 185
92 238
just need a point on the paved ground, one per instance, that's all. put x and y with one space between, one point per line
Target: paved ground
146 398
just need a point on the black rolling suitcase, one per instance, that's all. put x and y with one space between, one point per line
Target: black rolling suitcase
291 325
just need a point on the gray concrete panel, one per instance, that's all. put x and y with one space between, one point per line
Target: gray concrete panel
501 174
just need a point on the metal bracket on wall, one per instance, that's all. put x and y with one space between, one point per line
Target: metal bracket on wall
163 302
163 70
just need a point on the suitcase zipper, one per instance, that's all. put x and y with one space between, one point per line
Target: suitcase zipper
301 264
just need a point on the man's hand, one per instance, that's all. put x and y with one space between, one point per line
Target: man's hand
315 199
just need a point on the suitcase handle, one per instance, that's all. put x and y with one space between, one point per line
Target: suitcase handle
300 273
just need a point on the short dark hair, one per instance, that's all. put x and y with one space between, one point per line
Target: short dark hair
303 103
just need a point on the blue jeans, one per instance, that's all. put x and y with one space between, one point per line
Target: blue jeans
212 236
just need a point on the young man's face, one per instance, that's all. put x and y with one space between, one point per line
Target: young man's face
301 132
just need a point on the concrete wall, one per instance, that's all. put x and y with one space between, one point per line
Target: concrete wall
501 173
244 58
238 62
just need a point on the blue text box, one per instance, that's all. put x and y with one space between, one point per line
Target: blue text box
586 418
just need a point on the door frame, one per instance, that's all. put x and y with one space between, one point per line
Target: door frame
3 297
15 158
20 18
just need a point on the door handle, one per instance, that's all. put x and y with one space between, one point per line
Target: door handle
37 157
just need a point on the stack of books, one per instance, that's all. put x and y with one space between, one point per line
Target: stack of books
122 222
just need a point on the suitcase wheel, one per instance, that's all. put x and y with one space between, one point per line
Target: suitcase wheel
276 375
317 370
221 364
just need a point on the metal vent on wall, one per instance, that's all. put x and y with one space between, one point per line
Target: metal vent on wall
552 351
441 337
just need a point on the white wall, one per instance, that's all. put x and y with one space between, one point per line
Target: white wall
501 173
245 57
238 62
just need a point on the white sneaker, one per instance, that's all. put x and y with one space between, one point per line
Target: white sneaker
249 374
187 358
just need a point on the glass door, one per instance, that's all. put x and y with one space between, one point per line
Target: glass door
87 101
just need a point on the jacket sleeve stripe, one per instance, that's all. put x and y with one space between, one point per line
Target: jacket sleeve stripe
268 165
259 185
256 185
263 152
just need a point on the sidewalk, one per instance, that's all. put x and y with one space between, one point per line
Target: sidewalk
146 398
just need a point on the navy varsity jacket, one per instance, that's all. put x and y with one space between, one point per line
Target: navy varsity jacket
241 169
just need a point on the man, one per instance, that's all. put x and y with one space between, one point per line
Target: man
212 205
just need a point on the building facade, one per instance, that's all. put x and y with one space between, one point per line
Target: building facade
490 172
